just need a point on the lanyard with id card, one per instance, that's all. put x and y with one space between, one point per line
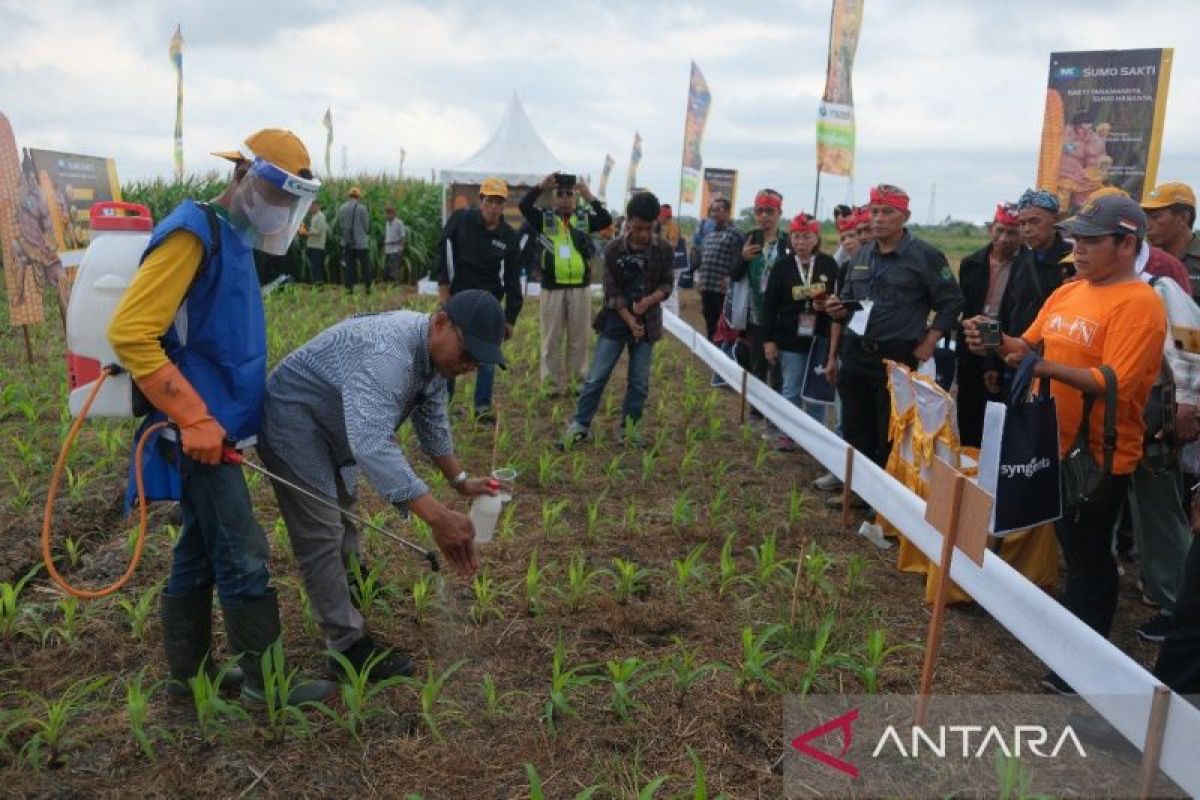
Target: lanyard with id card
806 322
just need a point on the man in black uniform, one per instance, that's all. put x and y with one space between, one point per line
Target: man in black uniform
884 304
479 250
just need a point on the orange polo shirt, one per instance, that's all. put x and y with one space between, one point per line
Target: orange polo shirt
1121 325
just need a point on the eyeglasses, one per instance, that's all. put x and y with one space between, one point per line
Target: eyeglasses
565 192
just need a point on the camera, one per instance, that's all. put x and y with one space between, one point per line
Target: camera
564 181
989 331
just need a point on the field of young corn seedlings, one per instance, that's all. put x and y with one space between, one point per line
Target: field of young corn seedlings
632 632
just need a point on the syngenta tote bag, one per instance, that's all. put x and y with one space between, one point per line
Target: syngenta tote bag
1018 459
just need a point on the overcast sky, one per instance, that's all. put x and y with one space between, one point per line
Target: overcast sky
946 93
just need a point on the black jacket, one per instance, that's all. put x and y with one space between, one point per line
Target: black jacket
598 219
1028 288
974 277
785 300
483 259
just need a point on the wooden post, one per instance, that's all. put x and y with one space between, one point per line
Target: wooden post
742 402
1155 729
496 435
28 345
846 482
932 641
693 345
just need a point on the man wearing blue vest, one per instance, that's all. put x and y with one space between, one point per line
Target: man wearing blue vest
191 332
565 246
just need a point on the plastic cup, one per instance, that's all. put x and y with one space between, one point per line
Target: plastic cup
507 478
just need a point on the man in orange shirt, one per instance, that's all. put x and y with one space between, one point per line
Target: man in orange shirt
1108 317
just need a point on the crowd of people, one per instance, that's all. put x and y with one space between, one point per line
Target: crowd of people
1106 293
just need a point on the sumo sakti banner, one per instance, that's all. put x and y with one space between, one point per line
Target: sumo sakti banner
71 183
718 183
1103 122
835 116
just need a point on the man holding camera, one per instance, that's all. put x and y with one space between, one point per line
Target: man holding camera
1109 317
564 234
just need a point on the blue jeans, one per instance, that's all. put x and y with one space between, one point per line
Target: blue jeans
794 366
221 542
608 351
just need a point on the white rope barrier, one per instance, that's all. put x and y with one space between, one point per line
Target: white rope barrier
1109 680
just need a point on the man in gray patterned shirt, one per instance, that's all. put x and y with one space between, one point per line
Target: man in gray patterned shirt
334 405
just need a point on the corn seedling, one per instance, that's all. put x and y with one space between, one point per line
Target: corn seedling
613 471
580 582
630 516
358 693
508 522
279 537
552 512
10 602
593 515
172 532
137 708
72 548
687 570
649 463
429 693
496 702
756 658
768 566
1012 779
629 580
21 498
564 682
799 503
626 677
686 669
699 779
213 712
547 467
728 567
138 611
691 459
578 462
68 606
368 588
535 584
714 426
721 471
871 657
682 513
760 457
51 723
816 658
282 716
487 596
719 502
131 537
650 790
854 573
424 592
816 570
536 792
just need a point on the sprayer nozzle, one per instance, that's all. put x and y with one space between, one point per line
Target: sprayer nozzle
433 561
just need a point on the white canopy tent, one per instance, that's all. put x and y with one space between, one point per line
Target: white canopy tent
515 153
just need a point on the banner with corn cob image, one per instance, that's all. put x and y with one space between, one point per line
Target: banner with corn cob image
22 251
1103 122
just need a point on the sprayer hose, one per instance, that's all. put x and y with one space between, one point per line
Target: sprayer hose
56 479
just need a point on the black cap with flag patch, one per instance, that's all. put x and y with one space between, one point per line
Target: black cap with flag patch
1107 215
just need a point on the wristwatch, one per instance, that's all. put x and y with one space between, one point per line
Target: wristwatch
459 479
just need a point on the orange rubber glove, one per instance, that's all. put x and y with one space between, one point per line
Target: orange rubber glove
170 392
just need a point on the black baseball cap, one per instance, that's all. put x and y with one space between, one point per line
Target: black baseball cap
1106 215
479 316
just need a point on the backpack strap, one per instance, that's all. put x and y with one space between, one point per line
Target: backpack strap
1110 416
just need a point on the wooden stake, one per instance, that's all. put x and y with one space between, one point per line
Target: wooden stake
846 493
939 601
1152 752
796 584
742 402
28 345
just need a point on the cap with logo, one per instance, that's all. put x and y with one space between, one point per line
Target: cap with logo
478 315
493 187
1170 194
1107 215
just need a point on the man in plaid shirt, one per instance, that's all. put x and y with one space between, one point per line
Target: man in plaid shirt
720 251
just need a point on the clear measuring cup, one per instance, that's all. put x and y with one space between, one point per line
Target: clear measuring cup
485 509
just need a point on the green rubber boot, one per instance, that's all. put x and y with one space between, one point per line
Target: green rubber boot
253 628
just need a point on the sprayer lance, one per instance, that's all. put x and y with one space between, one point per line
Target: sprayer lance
232 456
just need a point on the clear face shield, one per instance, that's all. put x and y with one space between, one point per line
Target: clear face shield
271 204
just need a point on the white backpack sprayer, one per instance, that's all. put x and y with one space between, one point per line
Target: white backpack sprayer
100 387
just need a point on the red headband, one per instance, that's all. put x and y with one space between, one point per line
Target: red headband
1005 215
847 223
862 216
803 222
767 200
889 196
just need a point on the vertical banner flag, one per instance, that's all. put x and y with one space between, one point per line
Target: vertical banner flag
698 102
835 117
402 155
635 158
327 121
26 234
1103 122
604 173
176 53
718 183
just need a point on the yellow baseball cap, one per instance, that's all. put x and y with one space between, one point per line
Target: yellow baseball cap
493 187
281 147
354 192
1170 194
1107 191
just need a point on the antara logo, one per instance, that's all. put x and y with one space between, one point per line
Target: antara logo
843 723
